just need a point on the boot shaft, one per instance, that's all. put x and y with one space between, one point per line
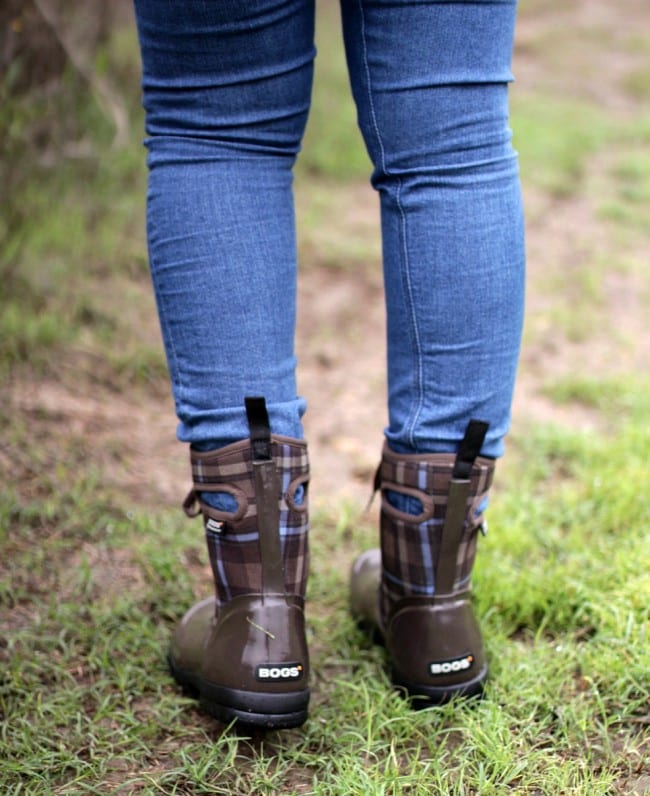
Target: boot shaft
262 545
415 592
429 553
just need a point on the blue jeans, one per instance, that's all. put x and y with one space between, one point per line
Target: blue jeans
227 88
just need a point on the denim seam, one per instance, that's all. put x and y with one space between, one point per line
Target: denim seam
371 105
419 378
407 277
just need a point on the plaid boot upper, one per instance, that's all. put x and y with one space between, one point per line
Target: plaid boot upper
233 537
410 543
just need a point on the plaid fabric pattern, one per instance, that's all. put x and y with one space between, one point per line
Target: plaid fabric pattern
233 538
410 544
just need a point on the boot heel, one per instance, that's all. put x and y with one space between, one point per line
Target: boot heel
262 681
423 696
251 708
437 649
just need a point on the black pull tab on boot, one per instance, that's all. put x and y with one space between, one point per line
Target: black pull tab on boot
459 490
259 427
469 449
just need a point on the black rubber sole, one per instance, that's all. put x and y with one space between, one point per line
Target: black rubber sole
262 711
423 695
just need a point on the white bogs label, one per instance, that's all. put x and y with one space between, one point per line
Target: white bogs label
453 666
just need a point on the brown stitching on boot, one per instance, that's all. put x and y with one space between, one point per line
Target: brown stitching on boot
466 556
452 532
238 561
266 483
296 563
481 477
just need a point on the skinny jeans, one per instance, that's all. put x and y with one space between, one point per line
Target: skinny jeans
226 90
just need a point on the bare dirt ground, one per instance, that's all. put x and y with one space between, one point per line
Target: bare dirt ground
340 341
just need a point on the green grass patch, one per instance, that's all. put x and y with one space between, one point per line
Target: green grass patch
612 397
561 586
75 213
637 83
557 163
333 146
628 206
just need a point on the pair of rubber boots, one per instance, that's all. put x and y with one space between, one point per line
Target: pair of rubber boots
244 653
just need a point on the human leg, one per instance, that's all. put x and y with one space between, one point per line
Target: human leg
226 93
430 82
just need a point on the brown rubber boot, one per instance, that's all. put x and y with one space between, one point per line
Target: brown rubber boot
244 653
415 592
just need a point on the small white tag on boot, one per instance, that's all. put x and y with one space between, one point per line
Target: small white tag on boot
214 525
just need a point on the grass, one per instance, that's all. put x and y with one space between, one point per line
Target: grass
93 576
561 586
557 164
341 151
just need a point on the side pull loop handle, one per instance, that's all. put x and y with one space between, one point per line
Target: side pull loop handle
260 428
